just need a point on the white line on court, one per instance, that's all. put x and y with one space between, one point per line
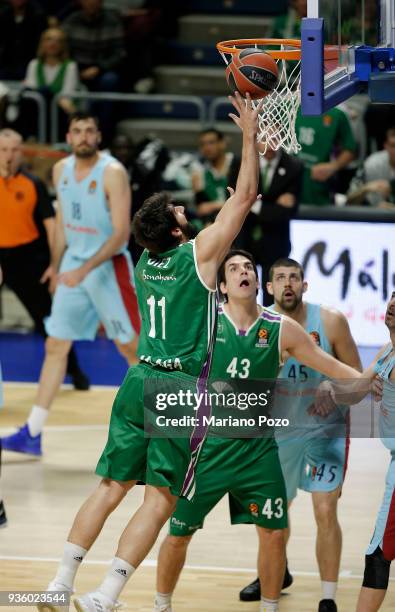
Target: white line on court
197 568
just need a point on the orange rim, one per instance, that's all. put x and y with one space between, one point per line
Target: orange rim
230 46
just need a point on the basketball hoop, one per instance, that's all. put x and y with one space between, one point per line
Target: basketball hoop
280 106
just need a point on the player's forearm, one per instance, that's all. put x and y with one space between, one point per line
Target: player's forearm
110 248
58 246
50 229
247 180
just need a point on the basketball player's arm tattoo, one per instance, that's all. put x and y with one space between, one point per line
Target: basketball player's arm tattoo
213 242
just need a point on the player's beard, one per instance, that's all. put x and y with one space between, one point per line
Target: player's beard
189 231
86 152
291 304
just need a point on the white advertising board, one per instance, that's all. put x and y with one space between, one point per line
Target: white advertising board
350 266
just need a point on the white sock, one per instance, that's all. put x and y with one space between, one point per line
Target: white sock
269 605
163 599
36 420
72 558
117 576
328 590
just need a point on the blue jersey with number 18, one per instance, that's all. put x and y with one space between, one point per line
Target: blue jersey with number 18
86 214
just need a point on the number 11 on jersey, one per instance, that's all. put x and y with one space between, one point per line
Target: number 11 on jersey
152 308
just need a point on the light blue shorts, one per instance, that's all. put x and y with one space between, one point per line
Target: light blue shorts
384 533
313 464
106 295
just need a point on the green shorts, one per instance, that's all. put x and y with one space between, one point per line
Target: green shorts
129 453
249 470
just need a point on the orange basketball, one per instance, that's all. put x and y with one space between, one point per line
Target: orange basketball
252 71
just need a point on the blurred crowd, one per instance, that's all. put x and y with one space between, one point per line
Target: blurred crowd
347 155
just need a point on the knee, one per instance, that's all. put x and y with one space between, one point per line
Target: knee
326 514
114 491
272 537
178 543
128 350
160 504
55 347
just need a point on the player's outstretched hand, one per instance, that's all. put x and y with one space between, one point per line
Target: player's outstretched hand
324 400
247 119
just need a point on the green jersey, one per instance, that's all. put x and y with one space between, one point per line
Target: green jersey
251 358
253 353
319 137
177 311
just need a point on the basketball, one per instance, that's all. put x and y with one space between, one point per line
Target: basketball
252 71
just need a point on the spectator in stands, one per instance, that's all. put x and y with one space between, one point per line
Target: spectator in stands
52 73
374 184
145 163
266 232
328 145
142 21
96 43
21 25
210 174
96 40
27 228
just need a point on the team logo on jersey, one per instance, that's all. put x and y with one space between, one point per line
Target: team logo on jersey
19 195
158 262
65 180
92 187
220 328
327 120
262 337
316 337
254 509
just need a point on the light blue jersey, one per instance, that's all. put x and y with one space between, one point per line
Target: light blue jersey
383 535
86 215
383 368
107 293
301 382
311 457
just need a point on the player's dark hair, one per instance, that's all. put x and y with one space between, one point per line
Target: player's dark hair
232 253
82 116
212 130
152 224
285 262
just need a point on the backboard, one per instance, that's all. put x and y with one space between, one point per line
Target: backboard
347 47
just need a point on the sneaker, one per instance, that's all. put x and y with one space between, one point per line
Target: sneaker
327 605
252 592
48 607
3 516
23 442
162 608
80 380
95 602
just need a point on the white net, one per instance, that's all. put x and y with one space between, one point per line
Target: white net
280 107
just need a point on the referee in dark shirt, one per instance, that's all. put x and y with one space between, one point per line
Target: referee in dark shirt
27 227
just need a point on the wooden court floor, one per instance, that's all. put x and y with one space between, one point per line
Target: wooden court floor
42 497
